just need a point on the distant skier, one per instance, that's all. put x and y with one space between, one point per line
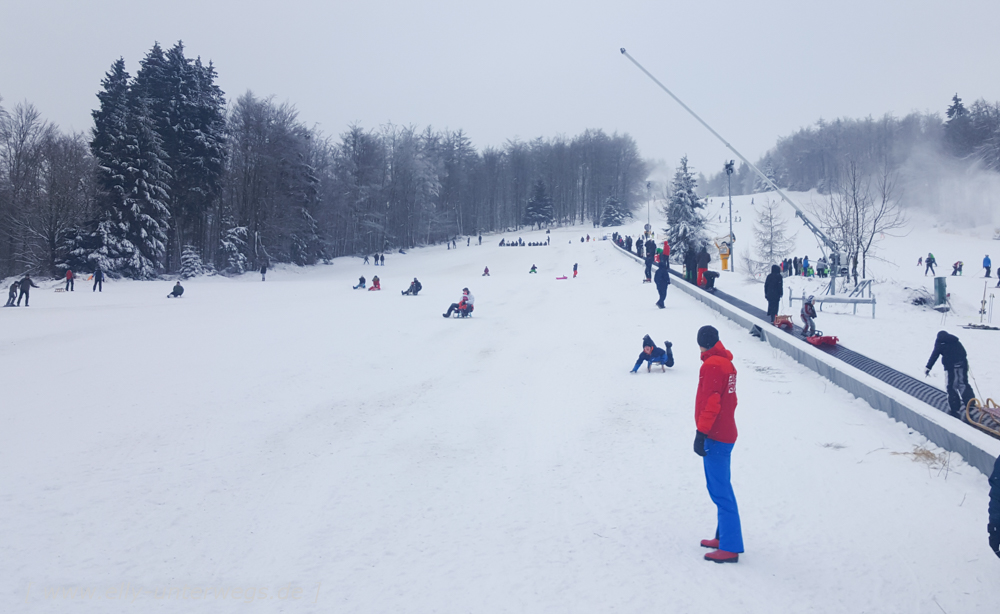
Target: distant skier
662 280
956 363
486 272
26 285
366 259
774 289
464 306
654 355
534 269
376 284
361 284
70 277
414 288
993 527
930 262
263 271
177 291
98 280
987 264
703 259
956 269
574 270
714 414
808 315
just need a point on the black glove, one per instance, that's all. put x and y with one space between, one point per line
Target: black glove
699 447
994 538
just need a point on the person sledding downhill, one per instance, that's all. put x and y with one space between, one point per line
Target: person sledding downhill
654 355
415 287
464 307
808 316
714 414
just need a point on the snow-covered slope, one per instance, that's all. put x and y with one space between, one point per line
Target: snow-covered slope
358 447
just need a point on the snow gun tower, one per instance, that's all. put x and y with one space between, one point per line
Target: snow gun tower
837 261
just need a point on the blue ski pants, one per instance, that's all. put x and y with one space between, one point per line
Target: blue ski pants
720 488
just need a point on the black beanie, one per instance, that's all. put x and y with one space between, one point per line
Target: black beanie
647 342
707 337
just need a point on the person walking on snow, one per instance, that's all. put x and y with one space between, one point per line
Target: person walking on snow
654 355
993 528
930 262
12 293
808 315
920 262
69 280
263 271
987 264
774 289
98 280
662 280
574 270
714 415
26 285
956 363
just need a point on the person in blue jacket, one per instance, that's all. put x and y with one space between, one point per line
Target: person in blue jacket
994 526
987 264
662 280
654 355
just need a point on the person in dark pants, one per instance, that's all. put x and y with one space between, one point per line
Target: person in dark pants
774 289
703 260
465 305
177 291
662 280
263 271
381 260
987 264
956 363
414 288
714 412
574 270
98 280
26 285
361 283
994 525
69 280
690 265
12 294
654 355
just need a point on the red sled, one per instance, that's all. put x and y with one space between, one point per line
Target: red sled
784 323
819 340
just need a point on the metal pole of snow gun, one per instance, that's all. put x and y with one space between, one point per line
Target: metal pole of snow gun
821 238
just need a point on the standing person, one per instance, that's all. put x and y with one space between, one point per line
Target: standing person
805 266
480 239
955 268
263 271
534 269
366 259
703 260
574 270
930 262
987 264
920 262
650 259
486 272
714 415
26 285
12 294
774 289
381 260
956 363
994 524
808 315
662 279
98 280
468 241
69 280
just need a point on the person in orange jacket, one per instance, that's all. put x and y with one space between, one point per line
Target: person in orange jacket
714 414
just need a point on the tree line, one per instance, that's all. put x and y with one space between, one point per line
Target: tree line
174 178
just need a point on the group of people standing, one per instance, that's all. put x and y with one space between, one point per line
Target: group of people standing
21 288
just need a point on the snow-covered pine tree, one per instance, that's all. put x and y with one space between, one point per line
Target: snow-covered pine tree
771 240
191 264
130 228
232 248
685 221
539 209
614 213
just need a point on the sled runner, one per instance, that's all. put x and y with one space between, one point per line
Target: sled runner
984 417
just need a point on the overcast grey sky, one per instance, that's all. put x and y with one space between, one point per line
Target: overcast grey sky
754 70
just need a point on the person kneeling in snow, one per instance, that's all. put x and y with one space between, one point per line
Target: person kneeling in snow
808 315
464 306
177 291
654 355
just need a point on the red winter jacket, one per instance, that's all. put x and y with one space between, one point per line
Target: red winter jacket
715 405
666 249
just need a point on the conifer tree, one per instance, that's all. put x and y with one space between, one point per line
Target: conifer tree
539 208
614 213
191 264
685 220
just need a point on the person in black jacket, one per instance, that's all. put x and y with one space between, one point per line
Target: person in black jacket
956 363
703 260
26 285
413 289
98 280
774 289
177 291
12 295
994 525
650 258
662 279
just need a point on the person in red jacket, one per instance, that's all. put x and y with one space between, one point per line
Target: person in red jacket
69 280
714 409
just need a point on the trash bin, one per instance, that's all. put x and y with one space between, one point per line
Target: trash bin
940 292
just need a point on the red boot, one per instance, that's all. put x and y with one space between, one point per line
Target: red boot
721 556
710 543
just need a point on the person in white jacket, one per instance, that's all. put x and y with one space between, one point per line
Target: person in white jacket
464 306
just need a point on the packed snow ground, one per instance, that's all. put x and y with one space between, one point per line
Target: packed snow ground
360 449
